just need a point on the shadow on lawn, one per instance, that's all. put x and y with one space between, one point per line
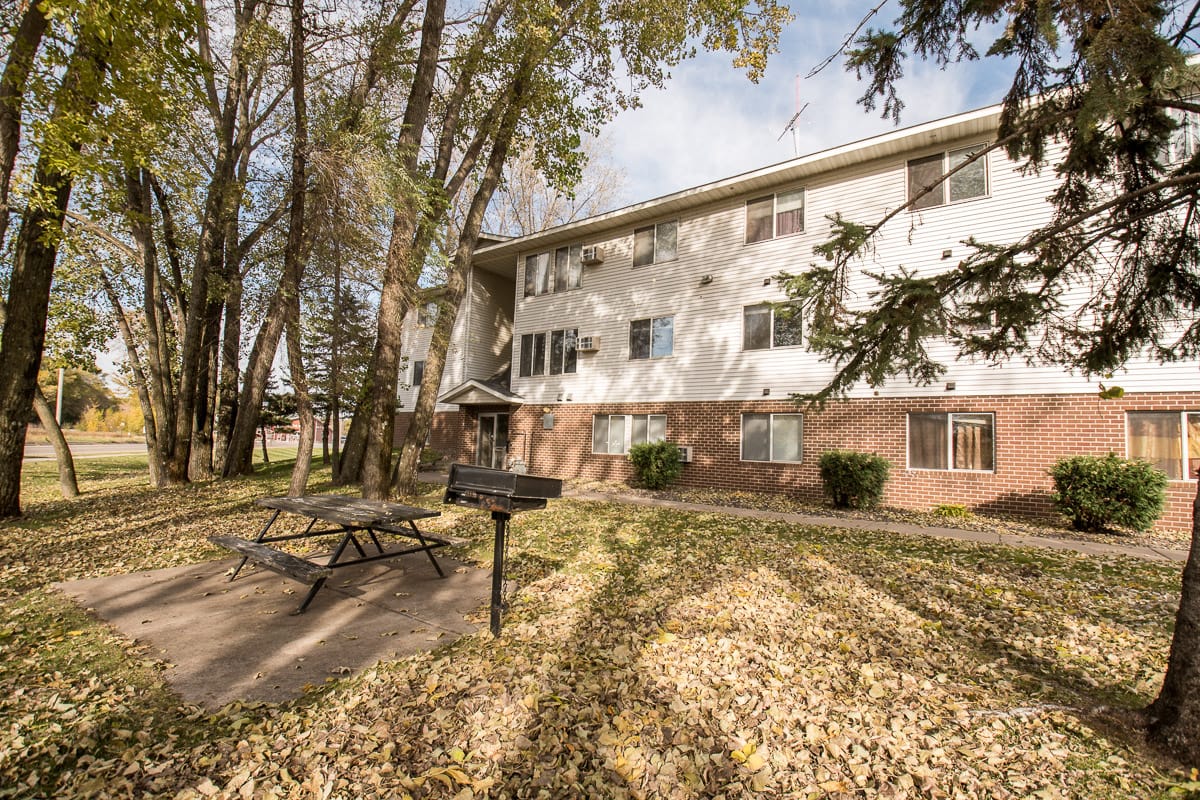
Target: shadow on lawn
628 609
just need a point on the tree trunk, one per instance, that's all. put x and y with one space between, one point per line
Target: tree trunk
350 464
22 48
227 384
200 466
149 426
62 452
221 205
401 269
293 258
1175 715
159 384
405 479
266 456
34 256
325 437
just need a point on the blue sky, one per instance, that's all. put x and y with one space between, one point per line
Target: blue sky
710 122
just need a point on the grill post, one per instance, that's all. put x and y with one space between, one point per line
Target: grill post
501 519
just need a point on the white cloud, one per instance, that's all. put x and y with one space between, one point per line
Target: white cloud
710 122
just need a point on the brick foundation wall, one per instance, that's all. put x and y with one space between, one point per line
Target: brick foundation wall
1031 433
446 435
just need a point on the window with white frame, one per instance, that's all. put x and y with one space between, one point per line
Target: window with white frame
773 437
1185 139
549 353
614 434
767 325
559 271
656 243
956 442
929 173
652 338
775 215
1170 440
427 315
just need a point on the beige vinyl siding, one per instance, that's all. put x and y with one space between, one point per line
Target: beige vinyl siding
489 326
708 362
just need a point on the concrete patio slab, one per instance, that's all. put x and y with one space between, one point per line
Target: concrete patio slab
239 641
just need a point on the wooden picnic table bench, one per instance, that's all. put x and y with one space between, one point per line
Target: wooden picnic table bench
354 518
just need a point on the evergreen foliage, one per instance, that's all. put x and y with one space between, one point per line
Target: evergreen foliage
1097 494
853 479
656 464
1104 101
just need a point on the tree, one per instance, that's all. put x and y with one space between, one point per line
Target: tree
556 82
526 202
1100 94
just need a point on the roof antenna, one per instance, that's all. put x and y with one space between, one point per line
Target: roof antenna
791 126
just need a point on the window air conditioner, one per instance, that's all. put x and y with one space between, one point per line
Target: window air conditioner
685 454
592 255
587 344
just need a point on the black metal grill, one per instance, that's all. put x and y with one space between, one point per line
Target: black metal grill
503 494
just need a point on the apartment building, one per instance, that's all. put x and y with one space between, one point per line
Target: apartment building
661 320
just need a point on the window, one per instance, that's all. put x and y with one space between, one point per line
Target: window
568 268
614 434
952 442
775 215
765 326
1163 437
655 243
537 274
559 271
418 373
772 437
427 315
929 171
1185 139
550 353
652 338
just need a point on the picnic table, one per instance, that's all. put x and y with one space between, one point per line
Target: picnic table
359 522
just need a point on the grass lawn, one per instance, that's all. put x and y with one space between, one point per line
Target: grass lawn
647 653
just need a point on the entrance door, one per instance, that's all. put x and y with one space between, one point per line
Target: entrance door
493 441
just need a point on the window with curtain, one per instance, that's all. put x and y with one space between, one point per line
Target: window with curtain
614 434
773 437
656 243
551 352
1163 437
775 215
765 326
559 271
929 172
955 442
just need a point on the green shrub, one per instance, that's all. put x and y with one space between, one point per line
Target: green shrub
853 480
952 511
656 464
1099 493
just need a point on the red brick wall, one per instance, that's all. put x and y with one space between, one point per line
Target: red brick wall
445 437
1031 433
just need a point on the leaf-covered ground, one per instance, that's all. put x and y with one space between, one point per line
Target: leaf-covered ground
646 653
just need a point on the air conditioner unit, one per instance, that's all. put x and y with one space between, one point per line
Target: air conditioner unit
685 454
592 255
587 344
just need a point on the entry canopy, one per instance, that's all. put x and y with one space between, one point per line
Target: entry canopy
481 393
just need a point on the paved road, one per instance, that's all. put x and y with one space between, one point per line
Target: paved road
44 452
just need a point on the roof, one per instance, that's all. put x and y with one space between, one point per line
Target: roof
501 257
481 393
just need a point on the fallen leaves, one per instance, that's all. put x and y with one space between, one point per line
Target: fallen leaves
646 653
